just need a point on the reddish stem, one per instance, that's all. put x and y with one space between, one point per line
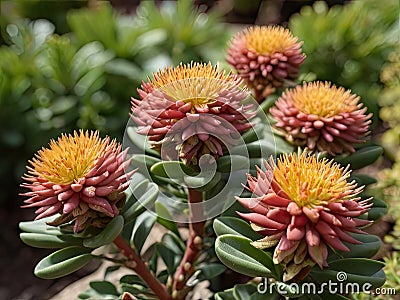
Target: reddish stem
193 246
136 264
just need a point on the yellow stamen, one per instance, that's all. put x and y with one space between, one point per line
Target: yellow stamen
71 157
269 39
310 181
197 83
322 99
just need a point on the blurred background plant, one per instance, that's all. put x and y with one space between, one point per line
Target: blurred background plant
389 184
349 44
85 77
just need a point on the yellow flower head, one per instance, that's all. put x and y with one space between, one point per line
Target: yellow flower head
269 39
310 181
197 83
322 99
71 157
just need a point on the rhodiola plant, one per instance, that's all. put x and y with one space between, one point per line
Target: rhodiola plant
235 185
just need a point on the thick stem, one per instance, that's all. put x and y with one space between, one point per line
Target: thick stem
193 245
135 263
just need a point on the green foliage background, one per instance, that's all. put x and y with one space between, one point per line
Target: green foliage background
82 72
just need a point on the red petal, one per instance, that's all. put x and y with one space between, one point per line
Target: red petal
312 236
335 242
299 221
294 233
275 200
253 204
328 217
312 214
262 220
280 215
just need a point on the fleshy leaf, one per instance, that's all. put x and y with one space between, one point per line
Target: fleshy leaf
369 247
362 157
362 179
63 262
378 210
238 254
143 162
147 195
143 225
260 148
203 183
254 133
236 226
40 226
165 218
231 163
170 258
40 240
107 235
354 270
171 169
104 288
140 141
210 271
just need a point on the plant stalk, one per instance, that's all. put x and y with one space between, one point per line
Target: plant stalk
135 263
193 246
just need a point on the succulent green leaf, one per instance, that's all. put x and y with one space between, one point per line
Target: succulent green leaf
357 270
225 295
362 179
145 199
282 146
236 226
203 183
63 262
378 210
172 241
231 163
238 254
143 225
140 141
144 162
369 247
169 257
210 271
41 240
268 103
40 226
107 235
131 279
244 291
362 157
254 133
110 270
171 169
135 289
260 148
369 266
215 190
165 218
104 287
